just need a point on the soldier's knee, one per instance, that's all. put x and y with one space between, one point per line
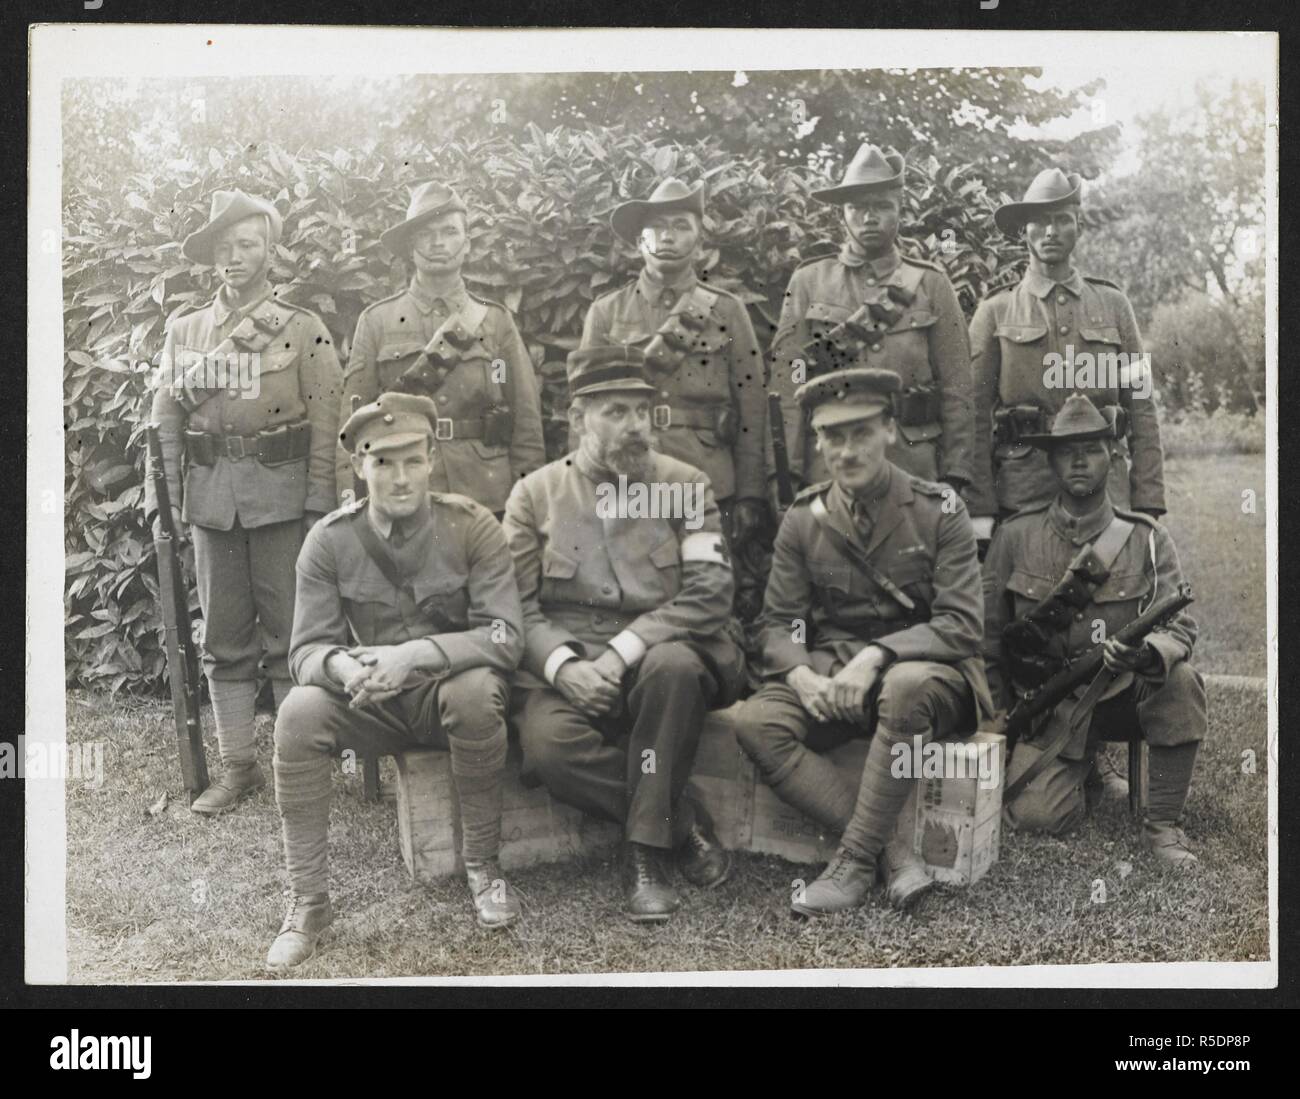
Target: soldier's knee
474 701
301 723
764 737
672 660
1176 713
1054 810
906 704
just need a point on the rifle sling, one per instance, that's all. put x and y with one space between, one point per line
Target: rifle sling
857 556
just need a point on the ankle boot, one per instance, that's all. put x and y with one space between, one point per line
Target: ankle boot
494 900
842 886
236 783
303 926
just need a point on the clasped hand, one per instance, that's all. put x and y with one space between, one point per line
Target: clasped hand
842 696
376 673
593 687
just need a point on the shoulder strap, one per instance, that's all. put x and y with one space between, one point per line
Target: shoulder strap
819 512
1112 540
473 313
378 553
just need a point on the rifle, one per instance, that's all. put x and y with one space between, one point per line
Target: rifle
358 485
780 451
1045 697
370 762
182 657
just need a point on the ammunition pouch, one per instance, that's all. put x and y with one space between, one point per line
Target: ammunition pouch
1010 424
916 405
276 447
498 425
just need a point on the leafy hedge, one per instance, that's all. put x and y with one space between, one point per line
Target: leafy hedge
541 244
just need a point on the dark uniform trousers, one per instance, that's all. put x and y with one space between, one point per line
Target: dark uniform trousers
1165 715
913 698
631 767
245 580
464 712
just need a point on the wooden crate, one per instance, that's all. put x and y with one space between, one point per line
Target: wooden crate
958 821
747 815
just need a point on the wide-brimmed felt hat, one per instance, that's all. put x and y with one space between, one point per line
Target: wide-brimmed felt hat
871 169
629 218
842 396
618 368
1078 421
392 420
427 201
1051 188
229 207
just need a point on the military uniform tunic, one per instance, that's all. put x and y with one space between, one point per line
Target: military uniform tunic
1012 333
246 516
728 375
390 335
925 344
660 594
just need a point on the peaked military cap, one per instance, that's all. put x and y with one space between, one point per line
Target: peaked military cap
1051 189
842 396
871 169
393 420
427 201
229 207
629 218
1078 420
607 370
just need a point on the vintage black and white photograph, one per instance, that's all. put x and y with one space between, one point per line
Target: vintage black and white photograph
638 503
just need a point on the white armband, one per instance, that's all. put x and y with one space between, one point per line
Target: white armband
704 545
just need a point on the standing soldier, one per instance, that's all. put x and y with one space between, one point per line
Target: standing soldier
1080 561
625 615
250 394
1021 336
701 354
407 629
871 627
871 306
437 339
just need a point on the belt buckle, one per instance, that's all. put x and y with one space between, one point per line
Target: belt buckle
661 415
438 429
230 449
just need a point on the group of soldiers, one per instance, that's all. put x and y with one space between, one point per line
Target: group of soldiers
465 585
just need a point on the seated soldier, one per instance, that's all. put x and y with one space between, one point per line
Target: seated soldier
406 629
871 627
1033 579
626 611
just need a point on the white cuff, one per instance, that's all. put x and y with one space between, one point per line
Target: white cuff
559 656
630 647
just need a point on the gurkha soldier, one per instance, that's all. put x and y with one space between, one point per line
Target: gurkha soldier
871 306
437 339
407 629
871 627
250 394
1022 336
625 615
701 353
1057 576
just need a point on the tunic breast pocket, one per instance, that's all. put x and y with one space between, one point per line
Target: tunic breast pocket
906 347
831 576
445 599
914 574
368 602
626 332
1023 336
1027 590
823 316
393 360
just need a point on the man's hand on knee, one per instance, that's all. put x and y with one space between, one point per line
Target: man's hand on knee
587 688
812 690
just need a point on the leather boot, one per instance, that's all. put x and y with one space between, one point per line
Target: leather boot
305 922
494 900
648 895
236 783
842 886
904 873
1168 843
702 859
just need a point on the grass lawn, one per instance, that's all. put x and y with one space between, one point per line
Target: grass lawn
178 897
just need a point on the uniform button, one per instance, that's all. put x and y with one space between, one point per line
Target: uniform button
1065 330
597 619
1061 299
230 427
875 347
663 393
871 281
610 591
1078 616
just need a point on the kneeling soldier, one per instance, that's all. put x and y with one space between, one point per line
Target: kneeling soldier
1059 579
406 629
625 615
871 626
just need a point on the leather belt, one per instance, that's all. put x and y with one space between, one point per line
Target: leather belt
446 429
664 415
